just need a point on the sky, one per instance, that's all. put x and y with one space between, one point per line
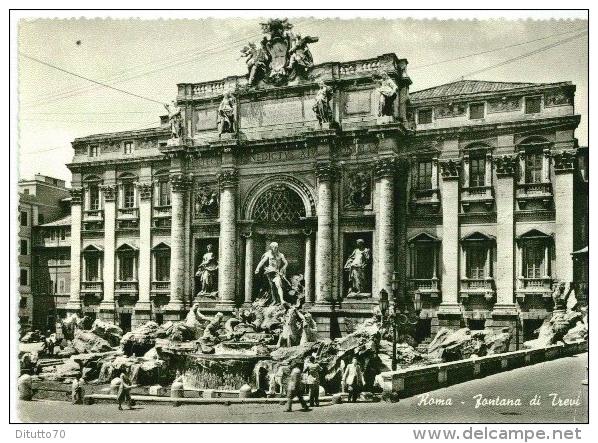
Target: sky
148 57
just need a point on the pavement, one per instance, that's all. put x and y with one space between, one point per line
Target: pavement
549 392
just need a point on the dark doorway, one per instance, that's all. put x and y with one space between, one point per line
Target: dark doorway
476 325
529 328
159 318
423 329
125 322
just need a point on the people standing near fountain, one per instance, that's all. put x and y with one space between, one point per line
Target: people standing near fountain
353 379
275 271
295 389
77 391
124 392
313 381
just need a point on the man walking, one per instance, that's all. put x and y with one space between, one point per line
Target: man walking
353 379
313 381
295 388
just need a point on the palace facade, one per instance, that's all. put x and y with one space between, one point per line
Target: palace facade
471 196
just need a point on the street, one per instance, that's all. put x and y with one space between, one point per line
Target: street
554 389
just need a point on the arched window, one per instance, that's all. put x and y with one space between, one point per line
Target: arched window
92 263
126 262
279 204
535 261
161 256
423 263
534 161
477 270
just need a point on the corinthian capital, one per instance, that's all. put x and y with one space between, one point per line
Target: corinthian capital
564 161
109 192
450 169
506 165
179 182
386 167
325 171
145 190
76 196
228 177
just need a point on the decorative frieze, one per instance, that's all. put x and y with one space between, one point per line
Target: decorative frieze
109 192
76 196
228 177
564 161
504 104
450 169
558 98
385 167
506 165
145 190
450 110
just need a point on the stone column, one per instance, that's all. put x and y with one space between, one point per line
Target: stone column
450 309
325 173
308 276
179 185
248 267
564 164
506 165
74 303
385 227
145 253
227 269
107 305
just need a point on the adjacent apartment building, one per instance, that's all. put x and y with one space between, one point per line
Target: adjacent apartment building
41 200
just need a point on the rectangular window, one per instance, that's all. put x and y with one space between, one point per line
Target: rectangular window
476 262
476 111
477 172
532 105
92 267
534 260
51 287
26 191
94 197
424 175
24 247
61 286
128 197
24 218
62 259
533 167
94 151
24 277
126 267
40 219
424 116
423 262
128 148
162 266
63 234
52 234
164 193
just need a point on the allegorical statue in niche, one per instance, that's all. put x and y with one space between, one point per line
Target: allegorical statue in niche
388 94
356 265
226 114
359 192
322 104
300 58
275 270
206 202
208 273
175 118
257 60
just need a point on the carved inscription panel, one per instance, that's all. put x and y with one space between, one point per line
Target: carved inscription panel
273 112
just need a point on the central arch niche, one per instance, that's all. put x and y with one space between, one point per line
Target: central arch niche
278 204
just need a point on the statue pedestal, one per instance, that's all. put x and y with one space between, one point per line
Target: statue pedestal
385 119
174 142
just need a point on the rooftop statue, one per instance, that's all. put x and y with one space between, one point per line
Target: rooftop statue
226 114
175 118
280 56
388 94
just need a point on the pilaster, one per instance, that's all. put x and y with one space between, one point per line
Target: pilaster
564 166
450 310
107 304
